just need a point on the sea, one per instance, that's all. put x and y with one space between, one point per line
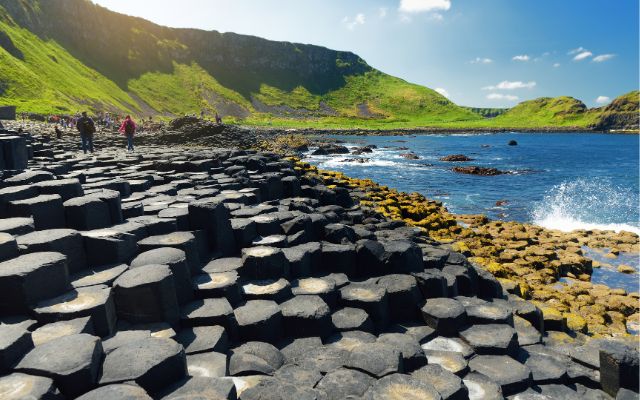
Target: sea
562 181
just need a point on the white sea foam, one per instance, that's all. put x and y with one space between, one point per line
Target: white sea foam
337 162
588 204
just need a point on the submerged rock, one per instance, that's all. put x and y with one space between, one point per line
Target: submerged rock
478 171
410 156
456 157
327 149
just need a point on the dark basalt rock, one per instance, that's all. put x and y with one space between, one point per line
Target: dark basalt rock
483 171
255 357
447 384
157 363
410 156
402 387
117 391
456 158
22 386
233 263
512 376
343 382
327 149
446 316
71 361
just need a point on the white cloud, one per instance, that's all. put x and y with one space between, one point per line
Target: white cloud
523 57
576 51
442 92
436 17
603 100
382 12
500 96
479 60
582 55
418 6
556 65
351 24
603 57
511 85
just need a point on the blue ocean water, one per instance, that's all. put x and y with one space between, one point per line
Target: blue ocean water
558 180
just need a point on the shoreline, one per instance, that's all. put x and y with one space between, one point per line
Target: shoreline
283 130
259 259
524 257
531 275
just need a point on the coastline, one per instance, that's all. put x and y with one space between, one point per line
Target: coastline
535 274
551 268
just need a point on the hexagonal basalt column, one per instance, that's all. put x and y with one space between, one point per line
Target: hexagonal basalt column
30 278
146 294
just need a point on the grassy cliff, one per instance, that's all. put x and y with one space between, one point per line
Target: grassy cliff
51 63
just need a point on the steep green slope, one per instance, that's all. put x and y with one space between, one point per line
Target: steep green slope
142 67
548 112
621 114
43 77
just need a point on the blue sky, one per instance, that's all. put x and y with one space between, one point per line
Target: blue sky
489 53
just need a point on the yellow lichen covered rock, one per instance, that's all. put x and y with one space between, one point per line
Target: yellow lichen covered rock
527 260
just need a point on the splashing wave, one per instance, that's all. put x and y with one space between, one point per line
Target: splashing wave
588 204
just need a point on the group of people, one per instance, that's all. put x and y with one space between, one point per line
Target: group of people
87 127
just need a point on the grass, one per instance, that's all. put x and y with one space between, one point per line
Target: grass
40 76
50 80
188 89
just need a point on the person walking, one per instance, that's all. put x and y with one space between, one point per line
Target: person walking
128 129
87 128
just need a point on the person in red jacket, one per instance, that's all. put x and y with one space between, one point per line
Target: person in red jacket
128 129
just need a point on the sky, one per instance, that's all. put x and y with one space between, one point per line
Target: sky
489 53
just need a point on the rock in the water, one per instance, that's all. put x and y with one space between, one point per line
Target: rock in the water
456 158
475 170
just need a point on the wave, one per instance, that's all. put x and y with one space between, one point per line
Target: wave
337 162
589 204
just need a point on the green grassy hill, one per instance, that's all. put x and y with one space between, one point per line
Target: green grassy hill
50 62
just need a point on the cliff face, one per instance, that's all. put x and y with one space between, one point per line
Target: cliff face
621 114
123 48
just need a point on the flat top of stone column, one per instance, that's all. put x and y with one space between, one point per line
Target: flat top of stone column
46 235
24 264
142 275
135 359
75 300
62 355
256 310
